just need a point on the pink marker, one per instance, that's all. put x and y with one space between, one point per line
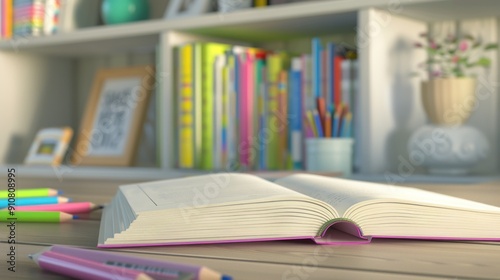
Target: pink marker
84 269
70 207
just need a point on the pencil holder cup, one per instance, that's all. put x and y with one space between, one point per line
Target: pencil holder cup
329 155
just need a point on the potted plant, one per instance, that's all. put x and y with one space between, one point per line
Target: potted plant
448 96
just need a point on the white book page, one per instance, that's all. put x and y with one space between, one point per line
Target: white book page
342 193
201 191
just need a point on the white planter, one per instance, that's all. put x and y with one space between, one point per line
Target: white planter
447 150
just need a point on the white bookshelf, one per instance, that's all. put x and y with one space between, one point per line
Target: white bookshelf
45 81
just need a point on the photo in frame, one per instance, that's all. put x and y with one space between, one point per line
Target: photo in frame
112 123
49 147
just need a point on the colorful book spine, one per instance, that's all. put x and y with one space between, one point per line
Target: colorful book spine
346 82
198 83
220 61
29 16
186 120
337 80
260 89
296 115
7 18
246 107
274 63
316 67
51 19
225 113
283 120
330 73
209 53
232 130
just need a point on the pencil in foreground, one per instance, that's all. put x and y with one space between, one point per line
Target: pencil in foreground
155 268
40 192
84 269
70 207
33 201
35 217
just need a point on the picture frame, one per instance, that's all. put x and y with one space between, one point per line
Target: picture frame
112 123
49 147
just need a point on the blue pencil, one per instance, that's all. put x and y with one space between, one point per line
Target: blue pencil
317 121
33 201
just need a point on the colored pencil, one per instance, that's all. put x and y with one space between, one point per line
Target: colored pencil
33 201
158 269
70 207
328 124
84 269
317 122
31 193
35 217
321 106
336 121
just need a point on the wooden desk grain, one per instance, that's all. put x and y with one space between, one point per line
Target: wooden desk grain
382 259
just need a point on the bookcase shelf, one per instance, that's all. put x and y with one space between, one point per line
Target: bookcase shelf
57 97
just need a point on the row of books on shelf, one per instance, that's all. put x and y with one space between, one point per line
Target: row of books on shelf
244 108
24 18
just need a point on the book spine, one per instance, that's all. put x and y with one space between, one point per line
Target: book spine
337 80
329 75
246 105
218 110
296 116
316 67
9 18
346 82
209 52
283 120
197 85
186 153
232 120
225 114
273 69
260 90
2 19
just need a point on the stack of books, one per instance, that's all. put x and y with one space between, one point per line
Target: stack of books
243 108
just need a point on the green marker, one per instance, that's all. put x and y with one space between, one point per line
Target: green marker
35 217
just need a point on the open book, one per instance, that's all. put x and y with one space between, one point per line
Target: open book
227 207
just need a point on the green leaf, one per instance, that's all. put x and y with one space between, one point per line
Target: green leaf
469 37
483 61
491 46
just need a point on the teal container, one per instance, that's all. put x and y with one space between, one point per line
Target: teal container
122 11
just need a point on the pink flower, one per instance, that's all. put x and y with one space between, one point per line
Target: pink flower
455 59
436 73
433 45
463 46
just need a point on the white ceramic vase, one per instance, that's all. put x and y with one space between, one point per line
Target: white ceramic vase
447 150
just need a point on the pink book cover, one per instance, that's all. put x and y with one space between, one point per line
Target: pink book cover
339 232
246 105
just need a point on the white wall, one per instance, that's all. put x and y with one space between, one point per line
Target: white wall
36 92
389 97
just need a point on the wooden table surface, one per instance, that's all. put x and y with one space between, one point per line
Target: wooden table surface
382 259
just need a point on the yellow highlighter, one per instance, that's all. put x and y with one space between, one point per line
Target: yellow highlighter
40 192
